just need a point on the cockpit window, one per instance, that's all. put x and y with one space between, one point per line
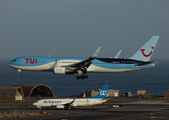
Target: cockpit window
14 60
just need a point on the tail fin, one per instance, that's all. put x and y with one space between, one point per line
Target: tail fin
103 93
146 51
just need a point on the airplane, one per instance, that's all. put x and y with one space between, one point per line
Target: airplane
82 65
74 102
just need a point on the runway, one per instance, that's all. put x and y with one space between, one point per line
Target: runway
137 110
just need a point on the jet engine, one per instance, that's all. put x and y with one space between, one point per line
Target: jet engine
62 70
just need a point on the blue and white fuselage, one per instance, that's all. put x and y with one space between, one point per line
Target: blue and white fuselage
71 65
72 103
106 65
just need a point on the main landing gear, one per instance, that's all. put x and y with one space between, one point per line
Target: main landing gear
69 107
81 76
19 71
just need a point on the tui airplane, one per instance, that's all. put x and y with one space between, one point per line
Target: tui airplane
80 65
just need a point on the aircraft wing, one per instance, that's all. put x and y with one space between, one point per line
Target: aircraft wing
69 105
86 63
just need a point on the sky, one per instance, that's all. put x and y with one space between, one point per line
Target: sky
76 28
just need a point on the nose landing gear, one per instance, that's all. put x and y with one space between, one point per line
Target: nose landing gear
19 71
20 75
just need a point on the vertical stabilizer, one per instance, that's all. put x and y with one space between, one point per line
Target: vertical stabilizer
103 93
146 51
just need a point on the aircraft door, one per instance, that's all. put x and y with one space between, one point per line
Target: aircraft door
50 62
123 64
22 61
59 63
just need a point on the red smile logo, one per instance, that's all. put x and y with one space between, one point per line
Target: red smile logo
145 54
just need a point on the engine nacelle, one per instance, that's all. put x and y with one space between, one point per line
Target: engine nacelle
60 106
62 70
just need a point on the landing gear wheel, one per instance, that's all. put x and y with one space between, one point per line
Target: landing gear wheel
86 76
78 77
82 77
70 108
20 75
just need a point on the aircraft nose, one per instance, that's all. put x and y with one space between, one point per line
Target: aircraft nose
34 103
12 62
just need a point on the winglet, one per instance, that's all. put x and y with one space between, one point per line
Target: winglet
118 54
73 100
86 63
96 53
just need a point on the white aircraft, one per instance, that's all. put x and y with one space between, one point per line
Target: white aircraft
72 103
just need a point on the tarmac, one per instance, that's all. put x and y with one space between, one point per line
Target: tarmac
151 109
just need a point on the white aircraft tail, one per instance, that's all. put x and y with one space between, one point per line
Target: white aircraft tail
146 51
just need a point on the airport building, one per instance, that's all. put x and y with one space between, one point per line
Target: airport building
140 93
21 91
11 93
167 94
35 90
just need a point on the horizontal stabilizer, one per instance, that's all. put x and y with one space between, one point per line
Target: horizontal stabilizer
144 63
